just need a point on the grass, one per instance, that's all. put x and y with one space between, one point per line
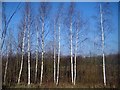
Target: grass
61 85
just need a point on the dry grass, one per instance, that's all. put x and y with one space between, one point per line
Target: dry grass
61 85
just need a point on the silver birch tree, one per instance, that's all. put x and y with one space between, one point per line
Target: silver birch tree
58 22
71 11
102 37
54 52
75 57
42 53
104 24
58 65
23 45
69 23
79 24
5 24
44 12
26 29
9 42
28 37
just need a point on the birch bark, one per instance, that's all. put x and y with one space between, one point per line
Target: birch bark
54 53
21 66
28 37
75 59
28 55
102 35
71 52
42 52
58 65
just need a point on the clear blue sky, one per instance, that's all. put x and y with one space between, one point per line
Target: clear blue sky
88 10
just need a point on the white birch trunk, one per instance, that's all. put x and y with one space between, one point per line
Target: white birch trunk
28 50
54 53
102 31
37 48
21 66
71 53
28 58
42 53
58 65
75 59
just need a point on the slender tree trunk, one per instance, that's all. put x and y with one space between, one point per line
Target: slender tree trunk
71 53
17 65
28 52
42 53
28 59
58 66
54 53
6 66
37 47
102 31
75 59
21 66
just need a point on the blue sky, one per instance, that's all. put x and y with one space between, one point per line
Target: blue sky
88 10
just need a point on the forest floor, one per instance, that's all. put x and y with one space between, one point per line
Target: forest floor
61 85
